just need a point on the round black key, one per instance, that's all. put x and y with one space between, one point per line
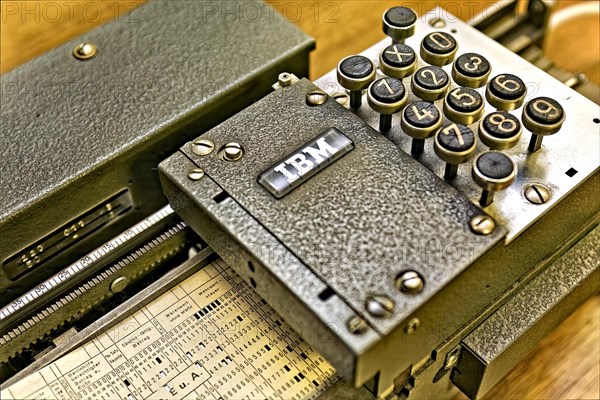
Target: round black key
507 87
399 23
502 125
420 120
438 48
464 100
454 144
543 116
398 55
456 138
431 78
386 96
356 67
495 165
430 83
544 110
400 17
500 130
463 105
493 171
439 43
355 73
472 65
421 114
388 90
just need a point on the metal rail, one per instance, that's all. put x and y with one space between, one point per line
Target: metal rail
96 256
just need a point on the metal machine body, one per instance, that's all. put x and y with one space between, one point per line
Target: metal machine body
340 242
367 265
141 96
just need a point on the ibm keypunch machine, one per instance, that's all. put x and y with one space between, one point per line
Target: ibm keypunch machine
185 215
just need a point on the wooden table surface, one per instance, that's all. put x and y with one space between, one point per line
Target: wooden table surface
566 364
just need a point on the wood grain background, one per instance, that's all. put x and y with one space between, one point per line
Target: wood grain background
566 364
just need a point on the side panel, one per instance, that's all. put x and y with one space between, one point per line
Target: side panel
75 133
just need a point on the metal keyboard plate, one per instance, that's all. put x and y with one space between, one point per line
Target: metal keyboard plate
576 145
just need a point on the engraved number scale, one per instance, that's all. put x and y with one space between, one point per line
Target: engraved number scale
85 262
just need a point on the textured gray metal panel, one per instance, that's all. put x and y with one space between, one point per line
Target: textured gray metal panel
399 214
277 274
507 336
74 132
359 222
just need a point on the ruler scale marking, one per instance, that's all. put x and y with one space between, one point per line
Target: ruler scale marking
86 261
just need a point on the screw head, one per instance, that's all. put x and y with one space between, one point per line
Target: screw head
452 358
232 151
202 147
118 284
482 224
412 326
537 193
196 174
357 325
380 306
316 98
342 98
85 51
410 282
438 23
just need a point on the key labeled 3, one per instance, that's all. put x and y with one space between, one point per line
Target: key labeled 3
471 70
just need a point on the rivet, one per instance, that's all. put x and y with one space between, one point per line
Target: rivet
357 325
537 194
410 282
196 174
316 98
85 51
232 151
380 306
202 147
482 224
118 284
412 326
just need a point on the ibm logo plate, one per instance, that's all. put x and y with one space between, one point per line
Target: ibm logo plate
305 162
